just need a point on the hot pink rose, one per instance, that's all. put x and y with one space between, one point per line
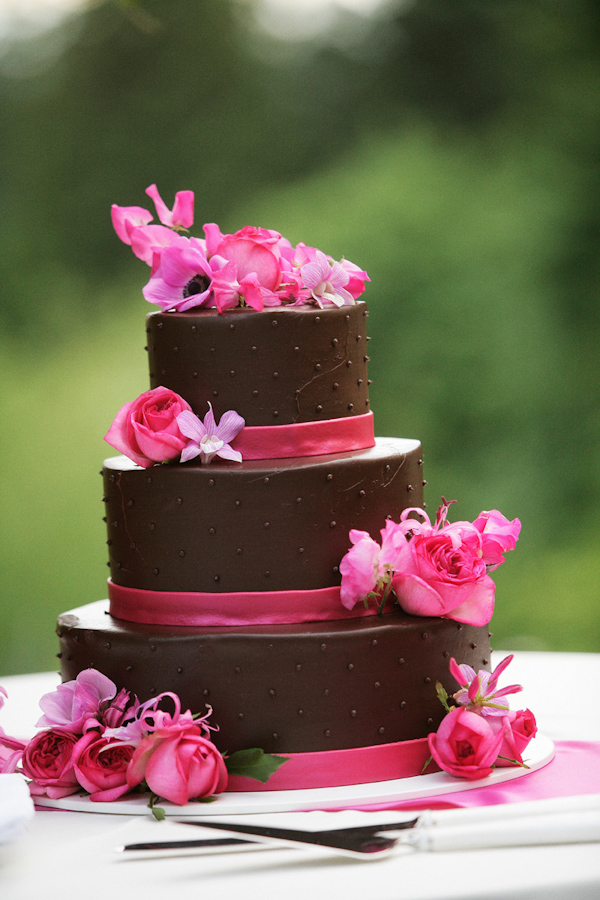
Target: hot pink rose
74 702
48 761
465 745
255 251
179 764
498 535
146 429
101 766
517 728
441 573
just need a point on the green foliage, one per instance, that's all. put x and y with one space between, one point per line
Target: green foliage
254 763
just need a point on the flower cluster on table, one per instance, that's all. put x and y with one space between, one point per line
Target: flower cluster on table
106 742
480 731
254 267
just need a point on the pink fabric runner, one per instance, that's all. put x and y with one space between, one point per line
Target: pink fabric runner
252 608
306 438
574 770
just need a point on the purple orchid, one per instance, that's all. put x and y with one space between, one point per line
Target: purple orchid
207 439
326 281
478 690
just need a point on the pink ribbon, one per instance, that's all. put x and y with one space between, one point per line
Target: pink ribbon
336 768
306 438
248 608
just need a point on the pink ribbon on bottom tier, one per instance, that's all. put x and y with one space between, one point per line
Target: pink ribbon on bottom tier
336 768
207 610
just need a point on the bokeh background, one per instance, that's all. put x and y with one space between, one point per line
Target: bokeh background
451 149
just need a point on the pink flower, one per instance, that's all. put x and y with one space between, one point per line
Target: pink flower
146 429
11 751
254 251
182 278
465 745
440 570
517 729
101 766
182 215
126 218
497 536
179 764
48 761
326 281
228 292
70 706
367 567
207 439
357 277
478 691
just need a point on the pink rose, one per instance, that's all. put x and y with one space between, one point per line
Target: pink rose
517 728
498 535
74 702
179 764
48 761
465 745
255 251
440 573
101 766
146 429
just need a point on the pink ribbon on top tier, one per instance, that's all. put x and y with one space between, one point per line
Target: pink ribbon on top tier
306 438
197 609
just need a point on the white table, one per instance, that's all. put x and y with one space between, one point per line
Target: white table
70 855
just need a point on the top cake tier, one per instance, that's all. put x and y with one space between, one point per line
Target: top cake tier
280 366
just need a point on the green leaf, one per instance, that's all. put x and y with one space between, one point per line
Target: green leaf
254 763
157 811
442 695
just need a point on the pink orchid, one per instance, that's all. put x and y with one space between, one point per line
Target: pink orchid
73 703
148 717
367 567
478 691
182 279
326 282
207 439
498 535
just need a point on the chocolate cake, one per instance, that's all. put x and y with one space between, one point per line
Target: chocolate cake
264 528
249 468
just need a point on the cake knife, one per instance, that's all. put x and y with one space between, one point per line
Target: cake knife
552 821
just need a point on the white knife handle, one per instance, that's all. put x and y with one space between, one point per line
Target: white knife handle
569 828
546 807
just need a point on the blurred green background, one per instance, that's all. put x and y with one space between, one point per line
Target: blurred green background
451 149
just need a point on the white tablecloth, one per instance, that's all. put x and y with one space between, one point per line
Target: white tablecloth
71 855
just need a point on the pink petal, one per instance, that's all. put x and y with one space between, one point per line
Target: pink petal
229 426
478 609
191 426
227 452
126 217
416 597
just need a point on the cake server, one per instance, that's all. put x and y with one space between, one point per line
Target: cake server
553 821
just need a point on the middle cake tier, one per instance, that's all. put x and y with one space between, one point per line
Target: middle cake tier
260 525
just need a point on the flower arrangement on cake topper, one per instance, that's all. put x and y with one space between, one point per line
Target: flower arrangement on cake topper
106 742
480 731
439 569
254 267
159 426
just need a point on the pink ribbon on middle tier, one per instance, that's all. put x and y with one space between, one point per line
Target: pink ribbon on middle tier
195 609
306 438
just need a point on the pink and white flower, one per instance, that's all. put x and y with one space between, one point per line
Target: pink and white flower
72 704
207 439
326 281
367 567
479 691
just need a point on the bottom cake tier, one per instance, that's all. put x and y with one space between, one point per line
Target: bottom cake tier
285 688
